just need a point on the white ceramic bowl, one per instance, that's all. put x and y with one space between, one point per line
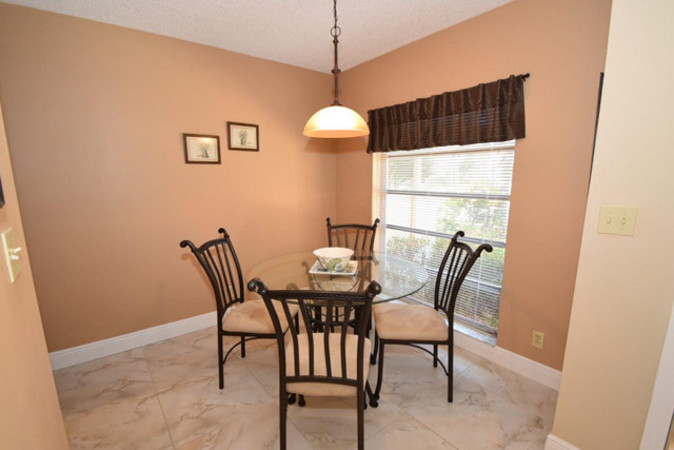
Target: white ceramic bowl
333 259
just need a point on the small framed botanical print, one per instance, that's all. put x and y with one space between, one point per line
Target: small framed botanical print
243 136
202 149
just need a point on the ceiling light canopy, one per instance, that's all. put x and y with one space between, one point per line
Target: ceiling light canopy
336 121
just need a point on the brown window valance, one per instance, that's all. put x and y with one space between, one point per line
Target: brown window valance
489 112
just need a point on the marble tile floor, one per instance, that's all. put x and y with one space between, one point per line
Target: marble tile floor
165 396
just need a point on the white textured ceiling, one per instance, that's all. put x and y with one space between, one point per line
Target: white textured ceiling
295 32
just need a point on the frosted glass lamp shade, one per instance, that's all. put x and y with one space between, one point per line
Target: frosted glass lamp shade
336 122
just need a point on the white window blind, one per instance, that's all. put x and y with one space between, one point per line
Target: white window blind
424 196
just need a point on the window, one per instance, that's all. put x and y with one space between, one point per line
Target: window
424 196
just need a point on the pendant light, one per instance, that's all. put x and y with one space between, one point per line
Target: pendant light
336 121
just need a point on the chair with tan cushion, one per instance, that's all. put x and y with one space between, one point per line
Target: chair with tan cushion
245 319
402 323
329 363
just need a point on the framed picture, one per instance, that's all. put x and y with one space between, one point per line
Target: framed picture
202 149
2 196
243 136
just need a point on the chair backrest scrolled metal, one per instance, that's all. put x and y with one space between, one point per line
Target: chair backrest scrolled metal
358 237
218 259
318 349
459 258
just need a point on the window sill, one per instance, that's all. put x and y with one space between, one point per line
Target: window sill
475 334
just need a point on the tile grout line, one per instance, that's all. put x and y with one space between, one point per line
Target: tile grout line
156 395
500 395
428 428
472 365
418 419
456 376
274 400
497 394
405 411
501 385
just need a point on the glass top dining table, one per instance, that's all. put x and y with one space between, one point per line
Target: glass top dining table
398 277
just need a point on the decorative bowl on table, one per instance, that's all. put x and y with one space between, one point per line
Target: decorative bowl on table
333 259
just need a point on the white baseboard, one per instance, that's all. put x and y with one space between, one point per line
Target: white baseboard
555 443
87 352
98 349
524 366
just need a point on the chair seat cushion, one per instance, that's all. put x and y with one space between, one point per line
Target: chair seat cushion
252 316
406 322
326 389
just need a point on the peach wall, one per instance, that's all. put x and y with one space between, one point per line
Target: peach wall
95 115
624 291
563 46
30 416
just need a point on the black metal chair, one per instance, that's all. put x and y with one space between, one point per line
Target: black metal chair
245 319
329 363
358 237
401 323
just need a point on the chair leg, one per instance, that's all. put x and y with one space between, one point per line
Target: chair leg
380 373
301 401
435 355
221 364
375 349
370 395
243 347
361 419
450 374
283 398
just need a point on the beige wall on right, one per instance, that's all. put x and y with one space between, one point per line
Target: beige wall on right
625 285
563 46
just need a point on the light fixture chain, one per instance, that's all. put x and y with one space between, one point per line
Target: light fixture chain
335 121
335 32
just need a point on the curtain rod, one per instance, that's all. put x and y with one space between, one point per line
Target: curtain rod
526 75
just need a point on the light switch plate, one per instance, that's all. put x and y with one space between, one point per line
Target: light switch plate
11 252
537 339
619 220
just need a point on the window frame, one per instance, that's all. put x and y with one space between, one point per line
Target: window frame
380 196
